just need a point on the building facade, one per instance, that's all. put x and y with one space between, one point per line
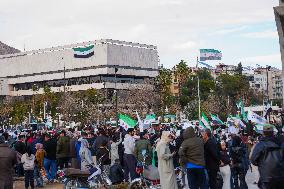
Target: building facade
113 64
279 18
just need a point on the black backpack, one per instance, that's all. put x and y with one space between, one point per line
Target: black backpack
237 154
273 164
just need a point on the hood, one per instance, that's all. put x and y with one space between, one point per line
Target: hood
189 133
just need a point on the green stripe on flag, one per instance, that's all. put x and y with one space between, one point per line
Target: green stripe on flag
126 121
83 49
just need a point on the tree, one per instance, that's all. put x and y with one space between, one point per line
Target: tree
164 81
239 69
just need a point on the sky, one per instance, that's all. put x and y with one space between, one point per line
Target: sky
245 31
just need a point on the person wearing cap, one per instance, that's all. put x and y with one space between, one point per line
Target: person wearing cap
268 156
8 160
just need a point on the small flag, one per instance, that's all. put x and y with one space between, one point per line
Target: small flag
204 122
240 106
210 54
217 120
126 122
256 118
150 118
141 125
84 52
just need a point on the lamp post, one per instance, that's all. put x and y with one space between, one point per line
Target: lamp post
116 112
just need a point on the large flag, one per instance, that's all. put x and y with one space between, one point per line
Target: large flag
84 52
217 120
140 122
210 54
240 106
204 122
256 118
205 64
126 122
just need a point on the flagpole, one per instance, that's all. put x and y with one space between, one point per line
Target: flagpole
198 87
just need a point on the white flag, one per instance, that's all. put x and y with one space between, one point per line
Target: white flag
141 125
256 118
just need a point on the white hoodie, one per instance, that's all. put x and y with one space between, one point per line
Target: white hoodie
28 161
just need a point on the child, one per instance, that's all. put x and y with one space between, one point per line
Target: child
28 160
40 153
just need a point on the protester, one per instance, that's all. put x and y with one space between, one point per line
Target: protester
8 160
114 148
239 167
28 161
85 156
116 174
129 159
50 157
212 157
143 146
191 155
20 148
63 150
165 165
225 165
268 156
39 156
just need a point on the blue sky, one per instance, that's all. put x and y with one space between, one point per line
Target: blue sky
244 31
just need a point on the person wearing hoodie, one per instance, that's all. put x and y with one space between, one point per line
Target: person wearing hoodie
28 161
192 158
143 145
129 159
85 156
63 150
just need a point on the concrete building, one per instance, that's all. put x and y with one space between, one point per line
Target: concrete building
279 18
258 80
57 67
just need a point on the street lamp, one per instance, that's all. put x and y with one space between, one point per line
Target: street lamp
116 112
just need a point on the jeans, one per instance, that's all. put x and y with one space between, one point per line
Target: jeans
212 174
130 163
38 177
63 162
29 178
197 178
50 168
238 176
20 170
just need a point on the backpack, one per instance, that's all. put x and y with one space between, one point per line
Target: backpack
274 158
237 155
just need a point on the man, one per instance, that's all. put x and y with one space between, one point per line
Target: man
143 146
7 161
191 155
212 158
20 148
50 158
268 156
63 150
129 158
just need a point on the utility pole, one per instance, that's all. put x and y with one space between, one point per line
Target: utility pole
116 109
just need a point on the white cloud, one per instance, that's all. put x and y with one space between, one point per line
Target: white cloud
185 46
261 34
263 60
228 30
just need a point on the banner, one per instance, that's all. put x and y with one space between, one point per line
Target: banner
210 54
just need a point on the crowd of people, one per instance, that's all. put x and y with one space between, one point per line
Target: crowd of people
212 158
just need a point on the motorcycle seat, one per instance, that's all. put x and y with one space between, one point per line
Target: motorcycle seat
76 173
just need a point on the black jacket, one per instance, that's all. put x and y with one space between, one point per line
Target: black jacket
20 147
270 164
212 156
116 174
50 148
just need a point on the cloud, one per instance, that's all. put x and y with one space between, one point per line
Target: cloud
228 30
186 46
263 60
261 34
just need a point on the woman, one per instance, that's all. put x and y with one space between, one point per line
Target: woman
86 156
225 165
165 162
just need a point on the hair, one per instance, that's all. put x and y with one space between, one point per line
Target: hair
29 150
208 132
130 130
236 141
63 132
